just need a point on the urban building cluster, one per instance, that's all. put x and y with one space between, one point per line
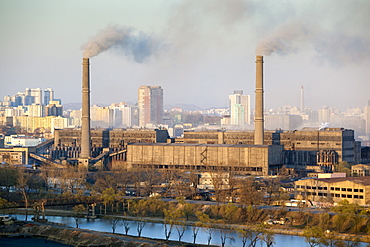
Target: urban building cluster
145 136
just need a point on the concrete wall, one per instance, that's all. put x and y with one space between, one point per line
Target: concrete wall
245 159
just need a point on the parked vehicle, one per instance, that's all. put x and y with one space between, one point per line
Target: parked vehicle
6 220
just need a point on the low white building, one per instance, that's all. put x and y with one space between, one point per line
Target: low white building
22 141
208 180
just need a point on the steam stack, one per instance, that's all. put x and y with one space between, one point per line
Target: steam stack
85 130
258 116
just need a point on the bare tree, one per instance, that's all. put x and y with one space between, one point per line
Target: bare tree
249 193
207 225
22 182
195 230
224 236
114 222
181 228
126 225
171 216
268 238
140 226
250 234
220 184
78 210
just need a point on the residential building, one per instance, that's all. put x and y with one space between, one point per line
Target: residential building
239 109
35 110
367 117
284 122
360 170
48 96
54 109
150 104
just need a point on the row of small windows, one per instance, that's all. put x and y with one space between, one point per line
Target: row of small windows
347 189
312 187
335 195
331 188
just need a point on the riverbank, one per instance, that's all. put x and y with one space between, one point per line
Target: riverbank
81 237
277 229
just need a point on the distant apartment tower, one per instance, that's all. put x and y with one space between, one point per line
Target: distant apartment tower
239 109
367 117
48 96
35 110
36 95
150 103
124 115
53 108
325 114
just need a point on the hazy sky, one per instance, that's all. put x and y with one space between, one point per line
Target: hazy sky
198 51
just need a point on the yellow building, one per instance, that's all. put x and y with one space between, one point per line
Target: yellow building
41 124
333 190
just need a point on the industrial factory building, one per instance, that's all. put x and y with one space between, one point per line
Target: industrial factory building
243 159
333 144
67 142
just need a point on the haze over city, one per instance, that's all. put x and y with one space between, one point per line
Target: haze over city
198 52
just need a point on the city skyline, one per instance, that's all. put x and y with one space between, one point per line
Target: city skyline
196 50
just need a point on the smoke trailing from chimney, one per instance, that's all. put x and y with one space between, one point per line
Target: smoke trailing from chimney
134 44
286 39
335 46
336 30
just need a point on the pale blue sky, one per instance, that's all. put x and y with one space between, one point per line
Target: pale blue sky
208 49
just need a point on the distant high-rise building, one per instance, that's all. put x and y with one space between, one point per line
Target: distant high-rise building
124 115
239 109
54 109
101 117
302 99
35 110
324 114
36 94
150 103
367 117
48 96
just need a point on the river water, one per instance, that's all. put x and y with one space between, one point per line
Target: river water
156 230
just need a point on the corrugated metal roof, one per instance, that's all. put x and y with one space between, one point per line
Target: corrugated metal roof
194 144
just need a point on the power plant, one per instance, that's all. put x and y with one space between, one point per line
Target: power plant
257 152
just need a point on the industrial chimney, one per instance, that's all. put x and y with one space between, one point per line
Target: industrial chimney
85 130
258 116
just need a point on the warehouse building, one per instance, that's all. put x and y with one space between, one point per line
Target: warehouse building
257 160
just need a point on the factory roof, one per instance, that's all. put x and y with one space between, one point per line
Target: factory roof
194 144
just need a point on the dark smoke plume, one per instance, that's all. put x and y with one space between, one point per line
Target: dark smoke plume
134 44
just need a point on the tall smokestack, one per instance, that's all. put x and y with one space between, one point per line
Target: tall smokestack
85 130
302 98
258 116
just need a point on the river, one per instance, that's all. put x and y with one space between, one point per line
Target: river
156 230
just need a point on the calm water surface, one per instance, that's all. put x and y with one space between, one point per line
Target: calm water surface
156 230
